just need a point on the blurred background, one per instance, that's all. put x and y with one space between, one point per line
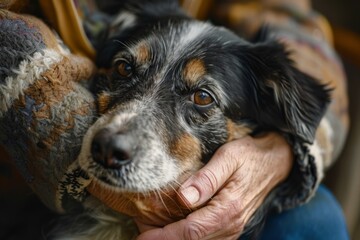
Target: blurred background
344 177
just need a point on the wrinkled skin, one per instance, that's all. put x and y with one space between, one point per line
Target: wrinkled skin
226 187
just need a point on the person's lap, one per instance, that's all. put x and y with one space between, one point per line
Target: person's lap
321 218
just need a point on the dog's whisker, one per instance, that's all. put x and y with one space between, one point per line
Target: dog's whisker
174 201
158 193
181 197
138 196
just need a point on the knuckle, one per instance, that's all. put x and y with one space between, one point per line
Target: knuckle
195 231
208 179
230 156
224 151
199 227
222 220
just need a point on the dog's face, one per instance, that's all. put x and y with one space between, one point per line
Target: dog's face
169 104
175 92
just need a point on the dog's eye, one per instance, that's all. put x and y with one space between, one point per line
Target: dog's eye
202 98
124 68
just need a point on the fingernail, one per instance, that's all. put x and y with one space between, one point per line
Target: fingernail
191 194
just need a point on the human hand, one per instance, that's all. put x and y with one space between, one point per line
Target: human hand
232 186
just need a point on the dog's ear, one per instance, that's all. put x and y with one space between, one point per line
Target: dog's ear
283 98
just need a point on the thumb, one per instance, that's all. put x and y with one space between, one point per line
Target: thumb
200 187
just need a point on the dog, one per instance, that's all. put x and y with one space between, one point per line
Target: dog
172 91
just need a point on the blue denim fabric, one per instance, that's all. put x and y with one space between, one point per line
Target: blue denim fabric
320 219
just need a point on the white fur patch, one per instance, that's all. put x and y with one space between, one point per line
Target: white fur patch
189 33
177 43
316 152
327 129
319 155
124 19
194 30
27 73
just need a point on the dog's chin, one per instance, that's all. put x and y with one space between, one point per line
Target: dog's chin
161 206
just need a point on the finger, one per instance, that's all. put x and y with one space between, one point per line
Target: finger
200 187
143 227
206 223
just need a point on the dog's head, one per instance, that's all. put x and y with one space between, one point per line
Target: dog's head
174 89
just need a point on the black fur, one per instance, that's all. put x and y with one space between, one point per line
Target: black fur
301 100
262 87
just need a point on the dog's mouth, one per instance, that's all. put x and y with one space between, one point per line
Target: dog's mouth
128 159
136 179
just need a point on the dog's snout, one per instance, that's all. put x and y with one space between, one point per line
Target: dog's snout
112 150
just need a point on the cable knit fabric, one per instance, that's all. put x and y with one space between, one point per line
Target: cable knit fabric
44 110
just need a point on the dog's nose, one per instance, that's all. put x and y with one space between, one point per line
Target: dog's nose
111 150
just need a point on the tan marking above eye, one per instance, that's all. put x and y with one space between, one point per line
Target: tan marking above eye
202 98
142 53
194 70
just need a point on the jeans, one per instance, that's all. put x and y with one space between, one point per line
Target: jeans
320 219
